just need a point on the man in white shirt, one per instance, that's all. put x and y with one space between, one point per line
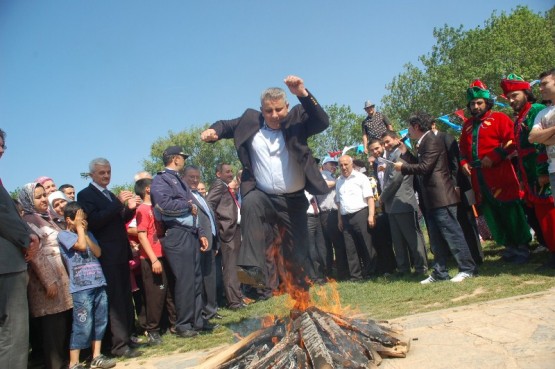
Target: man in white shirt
355 200
277 167
543 131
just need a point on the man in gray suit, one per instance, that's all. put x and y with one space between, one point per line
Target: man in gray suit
16 241
399 199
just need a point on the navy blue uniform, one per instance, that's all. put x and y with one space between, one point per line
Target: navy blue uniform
172 202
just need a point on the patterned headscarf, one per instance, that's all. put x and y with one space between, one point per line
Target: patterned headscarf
26 197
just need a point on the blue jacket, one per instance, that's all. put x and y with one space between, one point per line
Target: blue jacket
173 200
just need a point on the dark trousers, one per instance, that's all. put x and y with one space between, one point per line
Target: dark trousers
208 270
289 213
14 323
408 242
157 295
383 243
316 248
55 330
466 219
120 306
230 252
361 254
335 244
446 237
182 250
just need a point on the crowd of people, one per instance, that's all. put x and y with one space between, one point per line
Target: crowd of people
94 270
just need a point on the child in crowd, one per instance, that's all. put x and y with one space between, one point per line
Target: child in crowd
154 267
87 286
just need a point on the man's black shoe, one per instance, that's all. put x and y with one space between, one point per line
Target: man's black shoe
129 353
154 338
252 276
135 345
186 333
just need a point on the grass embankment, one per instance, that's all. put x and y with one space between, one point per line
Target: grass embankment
385 298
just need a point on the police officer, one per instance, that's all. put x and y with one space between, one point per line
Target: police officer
182 241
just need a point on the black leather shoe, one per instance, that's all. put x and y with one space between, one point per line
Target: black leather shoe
186 334
252 276
129 353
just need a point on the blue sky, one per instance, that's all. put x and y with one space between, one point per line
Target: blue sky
81 79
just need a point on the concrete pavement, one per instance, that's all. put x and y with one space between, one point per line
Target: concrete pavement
512 333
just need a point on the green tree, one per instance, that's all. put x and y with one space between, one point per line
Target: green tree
203 155
521 42
344 130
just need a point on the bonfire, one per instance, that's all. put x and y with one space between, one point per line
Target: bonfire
318 337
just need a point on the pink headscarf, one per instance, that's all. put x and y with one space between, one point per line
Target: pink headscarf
43 179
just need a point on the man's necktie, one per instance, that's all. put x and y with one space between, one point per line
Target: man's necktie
234 198
314 205
107 194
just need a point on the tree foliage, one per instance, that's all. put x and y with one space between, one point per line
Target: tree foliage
521 42
205 156
344 130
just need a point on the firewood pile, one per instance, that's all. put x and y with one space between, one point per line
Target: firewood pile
314 339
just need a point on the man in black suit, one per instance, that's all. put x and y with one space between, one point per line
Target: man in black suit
226 208
16 241
207 221
107 215
440 200
277 167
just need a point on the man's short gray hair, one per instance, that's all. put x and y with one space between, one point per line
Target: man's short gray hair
273 93
97 161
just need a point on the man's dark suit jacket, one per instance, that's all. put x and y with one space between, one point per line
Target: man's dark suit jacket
301 123
107 220
14 236
436 183
221 201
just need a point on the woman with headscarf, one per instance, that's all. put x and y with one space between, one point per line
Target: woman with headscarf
58 201
50 302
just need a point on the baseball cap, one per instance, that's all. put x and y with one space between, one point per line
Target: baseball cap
174 150
329 159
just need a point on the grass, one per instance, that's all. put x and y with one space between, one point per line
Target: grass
384 298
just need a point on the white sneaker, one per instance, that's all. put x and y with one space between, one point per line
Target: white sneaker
540 248
461 277
428 280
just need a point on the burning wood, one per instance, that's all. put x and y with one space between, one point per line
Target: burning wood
316 340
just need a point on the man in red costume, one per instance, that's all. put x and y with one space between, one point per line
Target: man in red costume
532 160
486 141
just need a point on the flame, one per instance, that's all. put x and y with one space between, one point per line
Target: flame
325 297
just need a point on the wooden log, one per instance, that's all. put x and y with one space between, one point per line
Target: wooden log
276 353
384 336
314 344
346 351
238 348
